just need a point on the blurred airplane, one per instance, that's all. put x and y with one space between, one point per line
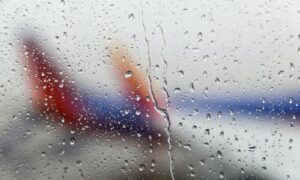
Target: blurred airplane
135 114
53 94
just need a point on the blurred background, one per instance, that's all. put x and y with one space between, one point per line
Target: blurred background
229 73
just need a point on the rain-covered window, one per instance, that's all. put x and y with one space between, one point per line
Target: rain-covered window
148 89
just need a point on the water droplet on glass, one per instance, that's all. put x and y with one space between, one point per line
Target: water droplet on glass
208 116
217 80
72 141
142 167
138 112
43 154
186 34
79 162
242 170
221 175
290 100
219 154
131 17
280 73
128 74
252 148
61 152
181 73
199 35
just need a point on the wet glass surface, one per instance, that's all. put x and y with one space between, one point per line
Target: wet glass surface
149 89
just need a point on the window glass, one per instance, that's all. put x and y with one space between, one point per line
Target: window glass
149 89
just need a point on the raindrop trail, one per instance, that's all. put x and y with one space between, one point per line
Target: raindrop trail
165 111
161 110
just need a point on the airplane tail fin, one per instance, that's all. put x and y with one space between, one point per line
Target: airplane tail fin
51 90
135 83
